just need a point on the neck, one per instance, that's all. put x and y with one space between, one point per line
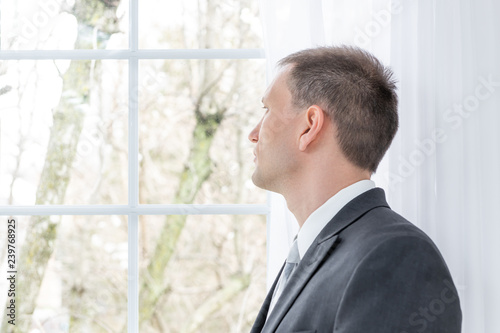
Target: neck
311 191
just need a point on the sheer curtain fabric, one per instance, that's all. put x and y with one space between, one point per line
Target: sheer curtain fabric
442 171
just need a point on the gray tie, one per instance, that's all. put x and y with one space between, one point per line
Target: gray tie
292 261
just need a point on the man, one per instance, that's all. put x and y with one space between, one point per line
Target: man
355 265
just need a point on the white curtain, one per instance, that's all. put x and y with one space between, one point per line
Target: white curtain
442 171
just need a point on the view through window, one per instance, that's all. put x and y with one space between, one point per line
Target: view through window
125 165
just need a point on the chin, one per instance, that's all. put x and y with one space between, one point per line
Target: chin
258 180
255 179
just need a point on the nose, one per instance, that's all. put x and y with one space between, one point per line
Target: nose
254 134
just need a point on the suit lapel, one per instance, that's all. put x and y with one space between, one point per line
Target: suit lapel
262 316
297 282
319 250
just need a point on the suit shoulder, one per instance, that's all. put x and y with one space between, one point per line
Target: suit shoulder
383 222
383 232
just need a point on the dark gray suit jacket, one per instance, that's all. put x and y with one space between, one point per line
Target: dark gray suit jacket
369 270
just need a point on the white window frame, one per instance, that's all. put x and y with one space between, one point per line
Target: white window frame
133 209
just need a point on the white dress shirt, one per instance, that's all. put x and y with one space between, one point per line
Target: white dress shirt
321 216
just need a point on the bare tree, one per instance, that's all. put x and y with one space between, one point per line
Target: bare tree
211 108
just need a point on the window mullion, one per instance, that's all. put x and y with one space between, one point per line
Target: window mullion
133 196
133 274
83 54
167 209
133 170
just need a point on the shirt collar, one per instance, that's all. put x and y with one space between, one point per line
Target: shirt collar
321 216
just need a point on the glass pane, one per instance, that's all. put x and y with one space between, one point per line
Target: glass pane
201 273
64 24
195 117
63 132
199 24
71 274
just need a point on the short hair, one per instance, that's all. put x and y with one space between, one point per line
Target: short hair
355 90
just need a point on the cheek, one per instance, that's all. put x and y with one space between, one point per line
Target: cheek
265 133
272 128
277 124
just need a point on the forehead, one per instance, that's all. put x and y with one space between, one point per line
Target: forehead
278 89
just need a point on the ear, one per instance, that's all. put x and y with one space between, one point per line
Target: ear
315 118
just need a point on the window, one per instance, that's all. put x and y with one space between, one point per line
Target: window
126 166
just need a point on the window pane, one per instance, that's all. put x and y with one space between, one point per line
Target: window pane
64 24
212 278
64 128
195 117
199 24
71 272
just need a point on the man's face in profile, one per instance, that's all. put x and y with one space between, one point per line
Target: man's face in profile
275 137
